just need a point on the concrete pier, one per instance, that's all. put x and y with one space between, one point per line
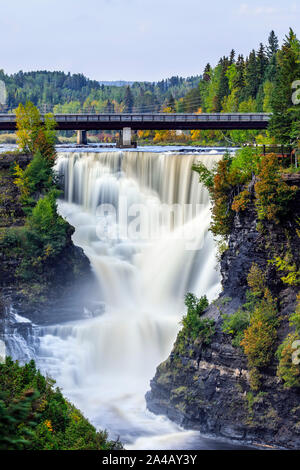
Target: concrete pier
82 138
125 140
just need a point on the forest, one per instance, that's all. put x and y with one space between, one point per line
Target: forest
260 82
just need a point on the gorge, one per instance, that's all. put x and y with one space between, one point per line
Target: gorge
142 220
103 362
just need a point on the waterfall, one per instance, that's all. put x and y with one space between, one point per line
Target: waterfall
144 264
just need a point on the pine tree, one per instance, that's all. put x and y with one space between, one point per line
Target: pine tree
171 103
273 46
206 73
128 100
239 82
251 76
223 86
232 57
288 70
262 63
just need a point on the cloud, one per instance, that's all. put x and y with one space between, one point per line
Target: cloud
246 9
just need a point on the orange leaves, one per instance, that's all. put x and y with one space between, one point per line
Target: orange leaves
241 201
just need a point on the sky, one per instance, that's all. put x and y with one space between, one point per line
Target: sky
135 39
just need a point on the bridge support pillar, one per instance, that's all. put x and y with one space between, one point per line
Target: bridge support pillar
125 140
82 138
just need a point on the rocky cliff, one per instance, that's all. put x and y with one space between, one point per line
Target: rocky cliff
207 388
57 291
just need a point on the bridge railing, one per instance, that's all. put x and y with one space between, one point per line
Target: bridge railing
159 117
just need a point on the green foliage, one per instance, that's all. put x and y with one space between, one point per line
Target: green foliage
194 304
246 162
225 182
273 194
235 325
195 328
256 281
28 125
45 233
260 337
290 270
35 416
206 176
36 179
285 113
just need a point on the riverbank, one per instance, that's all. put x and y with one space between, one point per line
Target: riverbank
213 387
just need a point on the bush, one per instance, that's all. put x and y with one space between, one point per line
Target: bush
273 195
235 325
246 161
259 338
256 281
195 328
36 179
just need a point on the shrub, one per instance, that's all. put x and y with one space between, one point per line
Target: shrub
36 179
241 201
288 268
235 325
225 182
256 281
259 338
195 328
246 161
273 195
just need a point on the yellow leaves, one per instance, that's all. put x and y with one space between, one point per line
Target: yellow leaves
256 280
288 268
196 135
21 181
144 134
28 123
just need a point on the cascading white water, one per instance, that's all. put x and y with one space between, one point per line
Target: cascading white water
104 364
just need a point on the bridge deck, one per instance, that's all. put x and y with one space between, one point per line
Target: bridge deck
225 121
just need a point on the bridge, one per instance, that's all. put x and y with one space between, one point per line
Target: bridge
158 121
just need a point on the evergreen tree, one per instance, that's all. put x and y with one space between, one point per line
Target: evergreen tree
128 100
206 73
232 57
239 81
223 86
273 45
288 71
251 76
171 103
262 63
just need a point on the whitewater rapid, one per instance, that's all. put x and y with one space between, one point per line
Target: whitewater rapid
104 363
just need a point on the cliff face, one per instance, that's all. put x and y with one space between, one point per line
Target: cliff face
207 388
57 292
